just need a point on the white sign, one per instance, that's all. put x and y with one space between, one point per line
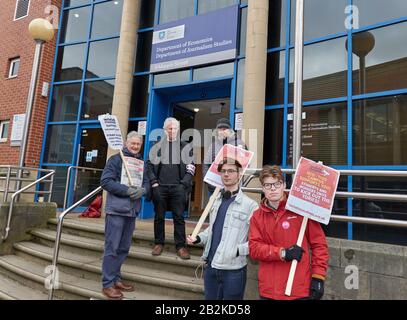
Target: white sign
142 125
17 130
111 129
244 157
89 156
94 153
136 169
169 34
238 121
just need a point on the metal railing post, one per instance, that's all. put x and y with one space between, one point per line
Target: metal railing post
7 185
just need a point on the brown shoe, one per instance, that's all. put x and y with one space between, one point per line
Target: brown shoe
112 293
183 254
157 250
124 286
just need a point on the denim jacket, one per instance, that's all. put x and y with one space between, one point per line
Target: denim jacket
234 233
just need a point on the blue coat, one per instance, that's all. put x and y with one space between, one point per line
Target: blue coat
117 201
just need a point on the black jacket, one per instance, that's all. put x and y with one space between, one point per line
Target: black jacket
156 161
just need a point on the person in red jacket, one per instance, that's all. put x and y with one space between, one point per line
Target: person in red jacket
273 236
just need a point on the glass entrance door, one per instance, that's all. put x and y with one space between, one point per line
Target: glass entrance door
92 153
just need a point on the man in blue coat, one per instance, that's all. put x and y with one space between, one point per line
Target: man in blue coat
122 206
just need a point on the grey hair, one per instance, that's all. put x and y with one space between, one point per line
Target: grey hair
134 134
170 119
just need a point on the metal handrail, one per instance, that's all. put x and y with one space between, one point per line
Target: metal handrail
354 195
68 178
27 170
58 237
10 211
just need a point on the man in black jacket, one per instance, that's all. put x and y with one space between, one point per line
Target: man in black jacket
170 171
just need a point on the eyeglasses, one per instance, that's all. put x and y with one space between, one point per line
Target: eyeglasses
276 185
228 171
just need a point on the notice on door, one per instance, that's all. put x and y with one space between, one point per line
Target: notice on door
136 169
313 191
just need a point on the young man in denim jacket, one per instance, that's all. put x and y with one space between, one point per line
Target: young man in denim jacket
225 239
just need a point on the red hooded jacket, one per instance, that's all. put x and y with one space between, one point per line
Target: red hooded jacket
270 232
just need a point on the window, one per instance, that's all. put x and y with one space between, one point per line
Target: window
14 67
21 9
4 125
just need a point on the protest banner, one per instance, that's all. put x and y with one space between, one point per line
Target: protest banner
136 170
312 196
111 129
214 178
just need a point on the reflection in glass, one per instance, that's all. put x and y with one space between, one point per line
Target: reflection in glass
378 11
70 62
107 18
58 188
321 18
380 210
75 25
380 131
176 9
97 99
273 133
143 57
65 102
147 12
171 78
211 5
380 59
275 78
139 98
216 71
74 3
324 133
243 31
60 142
102 58
277 24
240 83
325 70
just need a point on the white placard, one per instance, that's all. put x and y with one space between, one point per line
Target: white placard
136 169
142 125
238 121
244 157
94 153
111 129
17 129
89 156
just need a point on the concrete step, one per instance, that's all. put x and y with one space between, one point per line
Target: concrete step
89 267
138 256
14 290
70 287
142 237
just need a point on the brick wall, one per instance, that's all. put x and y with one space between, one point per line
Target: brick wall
15 41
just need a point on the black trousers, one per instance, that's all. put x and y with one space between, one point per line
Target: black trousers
169 198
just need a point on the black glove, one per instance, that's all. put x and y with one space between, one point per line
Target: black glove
293 253
317 289
135 192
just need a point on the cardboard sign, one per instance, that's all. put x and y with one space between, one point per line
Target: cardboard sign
111 129
213 177
313 190
136 170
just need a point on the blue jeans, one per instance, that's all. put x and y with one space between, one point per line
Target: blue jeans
224 284
118 237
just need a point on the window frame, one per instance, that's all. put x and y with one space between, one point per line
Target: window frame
2 125
15 10
11 67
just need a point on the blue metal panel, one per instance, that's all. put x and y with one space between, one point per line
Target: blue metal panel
286 83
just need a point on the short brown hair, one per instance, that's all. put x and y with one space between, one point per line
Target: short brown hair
229 161
271 171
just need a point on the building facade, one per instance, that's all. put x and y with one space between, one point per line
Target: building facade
17 53
354 91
